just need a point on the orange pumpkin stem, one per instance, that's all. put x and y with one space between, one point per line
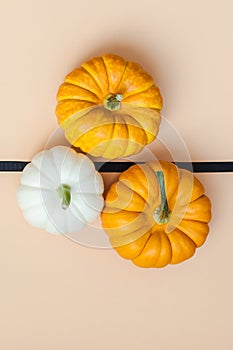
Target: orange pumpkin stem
113 102
162 213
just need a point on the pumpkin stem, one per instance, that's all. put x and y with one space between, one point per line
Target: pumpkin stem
162 213
113 101
65 195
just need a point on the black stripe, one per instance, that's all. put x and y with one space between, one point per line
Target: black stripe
11 165
207 167
115 167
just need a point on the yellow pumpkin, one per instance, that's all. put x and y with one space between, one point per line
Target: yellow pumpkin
109 107
156 214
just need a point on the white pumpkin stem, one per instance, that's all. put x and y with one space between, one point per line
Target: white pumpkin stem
162 213
113 101
64 192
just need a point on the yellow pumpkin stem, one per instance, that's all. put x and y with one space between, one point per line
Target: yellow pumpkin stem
65 195
113 102
162 213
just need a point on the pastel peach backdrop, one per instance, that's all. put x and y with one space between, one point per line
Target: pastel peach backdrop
56 294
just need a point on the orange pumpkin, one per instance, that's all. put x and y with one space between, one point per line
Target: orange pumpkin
156 214
109 107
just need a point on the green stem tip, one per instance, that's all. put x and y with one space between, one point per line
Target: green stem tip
162 213
64 192
113 102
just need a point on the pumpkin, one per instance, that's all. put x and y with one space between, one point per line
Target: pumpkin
156 214
109 107
60 191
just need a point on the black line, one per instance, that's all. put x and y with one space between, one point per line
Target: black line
115 167
207 167
12 165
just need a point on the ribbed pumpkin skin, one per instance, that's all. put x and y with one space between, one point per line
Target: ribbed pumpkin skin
128 216
81 110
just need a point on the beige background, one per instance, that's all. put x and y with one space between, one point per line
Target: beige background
56 294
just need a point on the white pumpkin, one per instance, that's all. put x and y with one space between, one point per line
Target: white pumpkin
60 191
